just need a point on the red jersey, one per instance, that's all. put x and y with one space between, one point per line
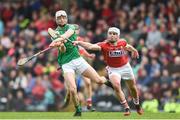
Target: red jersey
114 55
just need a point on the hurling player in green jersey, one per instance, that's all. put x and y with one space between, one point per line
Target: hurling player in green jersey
70 60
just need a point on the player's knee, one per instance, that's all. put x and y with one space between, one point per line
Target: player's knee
116 84
117 88
88 83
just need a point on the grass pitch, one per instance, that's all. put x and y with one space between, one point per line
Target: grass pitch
86 115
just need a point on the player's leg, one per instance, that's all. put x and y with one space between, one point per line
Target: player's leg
88 87
87 71
128 76
115 80
134 93
93 75
67 96
69 77
71 85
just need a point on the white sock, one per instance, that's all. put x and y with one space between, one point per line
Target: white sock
136 101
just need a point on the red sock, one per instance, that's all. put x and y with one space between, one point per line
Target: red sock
89 102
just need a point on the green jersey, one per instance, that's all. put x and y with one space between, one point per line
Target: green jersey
71 50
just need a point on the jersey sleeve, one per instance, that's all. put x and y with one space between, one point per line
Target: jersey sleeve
101 44
55 37
72 27
122 42
52 39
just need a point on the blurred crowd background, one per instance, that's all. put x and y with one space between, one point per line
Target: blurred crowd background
151 26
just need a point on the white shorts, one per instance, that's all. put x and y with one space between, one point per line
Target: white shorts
78 65
125 72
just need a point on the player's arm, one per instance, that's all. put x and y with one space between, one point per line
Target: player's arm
63 37
60 45
67 34
134 52
85 53
88 46
58 42
88 55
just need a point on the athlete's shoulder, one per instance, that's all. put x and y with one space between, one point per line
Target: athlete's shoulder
122 41
57 28
71 26
102 43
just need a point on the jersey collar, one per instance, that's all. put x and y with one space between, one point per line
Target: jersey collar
62 28
115 44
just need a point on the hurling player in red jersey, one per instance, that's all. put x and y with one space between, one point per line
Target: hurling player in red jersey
115 54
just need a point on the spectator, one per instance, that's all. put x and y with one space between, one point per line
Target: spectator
153 37
39 90
165 78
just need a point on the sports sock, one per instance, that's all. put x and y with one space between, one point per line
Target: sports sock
78 108
136 101
89 102
124 104
109 84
